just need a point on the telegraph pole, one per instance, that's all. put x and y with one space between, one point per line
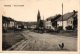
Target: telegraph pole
43 22
62 15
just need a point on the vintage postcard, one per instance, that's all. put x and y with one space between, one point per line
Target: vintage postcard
49 26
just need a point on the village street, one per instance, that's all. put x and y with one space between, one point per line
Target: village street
42 42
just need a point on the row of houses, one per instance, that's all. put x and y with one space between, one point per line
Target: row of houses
7 22
10 24
69 21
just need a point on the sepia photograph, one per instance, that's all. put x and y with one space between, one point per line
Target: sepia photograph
40 25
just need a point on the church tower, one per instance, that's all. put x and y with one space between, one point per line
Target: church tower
38 19
38 16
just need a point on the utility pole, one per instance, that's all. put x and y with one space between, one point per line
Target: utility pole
62 15
43 17
43 22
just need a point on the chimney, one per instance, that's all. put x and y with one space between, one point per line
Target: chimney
74 11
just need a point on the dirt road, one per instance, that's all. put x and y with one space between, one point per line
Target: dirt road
45 42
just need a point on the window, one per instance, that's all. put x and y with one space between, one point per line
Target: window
71 22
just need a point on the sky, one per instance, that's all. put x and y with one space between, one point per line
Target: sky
29 11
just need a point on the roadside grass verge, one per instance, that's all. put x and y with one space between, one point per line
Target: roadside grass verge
11 38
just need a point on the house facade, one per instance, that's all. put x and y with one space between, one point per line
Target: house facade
51 22
59 24
69 20
7 23
48 25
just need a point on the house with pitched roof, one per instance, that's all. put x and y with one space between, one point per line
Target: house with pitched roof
51 23
69 20
7 23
